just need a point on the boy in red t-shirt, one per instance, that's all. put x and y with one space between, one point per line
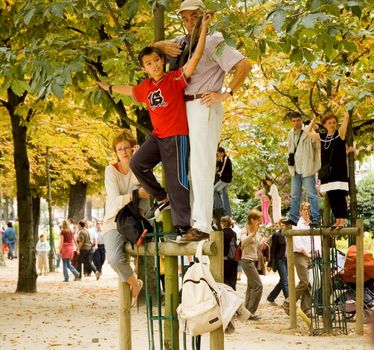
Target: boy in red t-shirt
163 94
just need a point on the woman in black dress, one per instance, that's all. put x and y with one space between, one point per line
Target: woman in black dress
334 181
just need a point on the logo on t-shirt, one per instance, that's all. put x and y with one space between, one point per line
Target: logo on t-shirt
156 99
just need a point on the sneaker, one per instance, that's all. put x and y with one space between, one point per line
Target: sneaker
97 274
161 207
134 299
272 302
157 210
254 318
181 230
286 308
194 235
289 222
77 278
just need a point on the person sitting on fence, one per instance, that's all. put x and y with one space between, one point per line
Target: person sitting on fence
119 184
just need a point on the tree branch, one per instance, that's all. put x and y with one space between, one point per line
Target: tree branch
315 112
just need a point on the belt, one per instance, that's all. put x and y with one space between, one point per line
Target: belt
192 97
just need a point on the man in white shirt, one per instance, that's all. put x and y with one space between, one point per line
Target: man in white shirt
303 249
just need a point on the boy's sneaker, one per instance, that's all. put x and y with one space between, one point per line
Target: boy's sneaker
157 210
194 235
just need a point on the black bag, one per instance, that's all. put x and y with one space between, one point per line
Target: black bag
130 223
291 159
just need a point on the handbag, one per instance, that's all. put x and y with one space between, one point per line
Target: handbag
199 312
130 223
238 253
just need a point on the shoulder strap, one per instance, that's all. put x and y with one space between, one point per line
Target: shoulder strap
199 249
298 141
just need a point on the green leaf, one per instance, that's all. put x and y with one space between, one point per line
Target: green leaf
349 46
357 11
57 90
309 21
352 3
308 55
29 15
57 11
296 55
132 8
278 20
20 86
363 94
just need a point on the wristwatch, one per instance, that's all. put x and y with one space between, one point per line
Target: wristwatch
226 89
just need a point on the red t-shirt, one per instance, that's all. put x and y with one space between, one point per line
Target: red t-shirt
165 103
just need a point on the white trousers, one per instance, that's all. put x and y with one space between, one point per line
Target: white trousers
204 125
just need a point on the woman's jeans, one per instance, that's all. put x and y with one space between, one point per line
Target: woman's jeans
66 264
283 281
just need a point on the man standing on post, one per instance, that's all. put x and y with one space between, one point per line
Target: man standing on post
204 96
304 161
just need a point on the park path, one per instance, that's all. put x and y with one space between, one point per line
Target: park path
83 315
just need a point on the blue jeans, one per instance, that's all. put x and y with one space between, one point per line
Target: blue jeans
221 192
309 183
11 247
66 264
283 281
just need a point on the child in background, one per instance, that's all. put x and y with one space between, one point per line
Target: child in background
42 250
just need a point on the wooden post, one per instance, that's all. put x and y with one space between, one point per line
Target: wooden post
291 282
326 280
171 328
360 278
124 315
216 268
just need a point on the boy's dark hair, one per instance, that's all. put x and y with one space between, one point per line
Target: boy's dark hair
82 223
148 50
294 115
220 150
9 224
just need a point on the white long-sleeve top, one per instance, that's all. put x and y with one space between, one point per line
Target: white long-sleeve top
118 193
301 243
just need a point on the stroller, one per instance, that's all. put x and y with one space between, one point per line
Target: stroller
347 275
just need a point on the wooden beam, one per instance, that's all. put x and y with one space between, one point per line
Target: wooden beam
173 249
325 231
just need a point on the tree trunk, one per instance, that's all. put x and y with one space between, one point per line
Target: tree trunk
26 268
6 208
35 217
77 201
89 209
352 179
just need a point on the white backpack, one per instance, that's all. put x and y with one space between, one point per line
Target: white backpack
199 311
